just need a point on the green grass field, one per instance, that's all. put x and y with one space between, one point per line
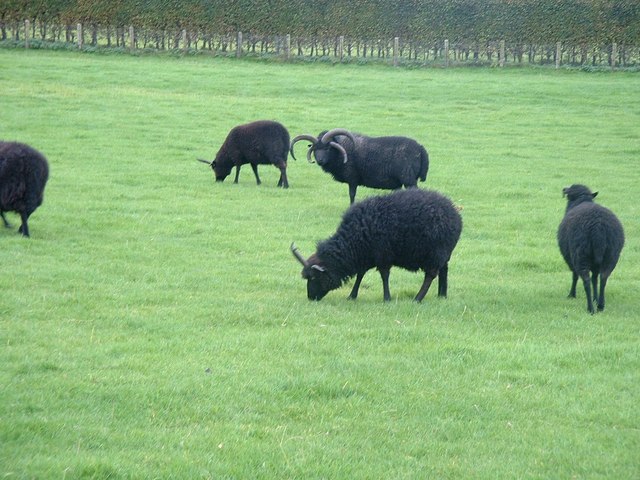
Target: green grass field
155 324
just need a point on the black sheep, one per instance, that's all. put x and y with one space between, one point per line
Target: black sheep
23 175
258 143
376 162
413 229
591 238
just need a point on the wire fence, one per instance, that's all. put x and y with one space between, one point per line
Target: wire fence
396 51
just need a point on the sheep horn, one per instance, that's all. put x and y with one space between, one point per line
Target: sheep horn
309 152
298 255
205 161
327 137
307 137
337 146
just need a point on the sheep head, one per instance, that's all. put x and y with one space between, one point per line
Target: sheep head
323 145
577 194
219 171
319 281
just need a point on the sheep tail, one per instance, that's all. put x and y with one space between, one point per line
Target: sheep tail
598 246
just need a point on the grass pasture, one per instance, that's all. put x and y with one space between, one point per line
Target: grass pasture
155 324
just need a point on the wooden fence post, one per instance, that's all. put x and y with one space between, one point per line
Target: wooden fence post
185 47
558 54
502 52
446 53
341 48
80 36
27 24
132 38
287 47
239 45
396 50
614 55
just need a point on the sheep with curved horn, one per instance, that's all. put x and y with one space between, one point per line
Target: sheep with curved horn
375 162
413 229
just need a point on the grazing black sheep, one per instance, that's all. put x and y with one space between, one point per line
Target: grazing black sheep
377 162
591 238
23 175
413 229
258 143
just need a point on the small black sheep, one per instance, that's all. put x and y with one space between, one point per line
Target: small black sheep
23 175
262 142
591 238
413 229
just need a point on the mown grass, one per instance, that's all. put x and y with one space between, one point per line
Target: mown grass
155 325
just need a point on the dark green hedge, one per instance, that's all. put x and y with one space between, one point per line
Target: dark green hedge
575 21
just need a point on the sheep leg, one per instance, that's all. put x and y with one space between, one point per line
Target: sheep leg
586 281
254 167
429 275
356 286
384 274
442 280
4 220
603 283
283 182
352 192
24 228
594 283
574 282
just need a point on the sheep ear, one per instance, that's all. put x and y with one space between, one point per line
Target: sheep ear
594 195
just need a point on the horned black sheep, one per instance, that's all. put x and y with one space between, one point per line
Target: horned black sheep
257 143
23 175
413 229
591 238
376 162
